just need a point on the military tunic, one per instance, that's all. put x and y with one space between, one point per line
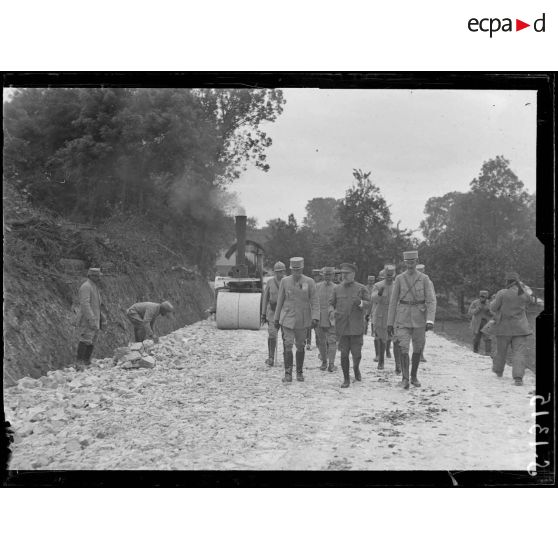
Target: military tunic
349 316
480 316
512 329
327 338
269 304
90 319
412 304
382 306
297 306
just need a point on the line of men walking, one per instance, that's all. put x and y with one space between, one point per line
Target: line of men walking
400 308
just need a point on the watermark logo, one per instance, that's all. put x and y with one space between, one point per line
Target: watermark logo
494 25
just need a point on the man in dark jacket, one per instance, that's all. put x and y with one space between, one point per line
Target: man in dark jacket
348 305
142 315
512 327
480 313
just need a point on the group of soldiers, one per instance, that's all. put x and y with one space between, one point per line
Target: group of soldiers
503 318
402 308
399 308
92 317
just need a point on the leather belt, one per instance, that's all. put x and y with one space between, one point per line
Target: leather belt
412 302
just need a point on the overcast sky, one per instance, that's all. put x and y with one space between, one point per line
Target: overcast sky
417 143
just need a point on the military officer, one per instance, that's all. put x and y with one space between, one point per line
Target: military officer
269 303
512 327
325 332
298 308
371 279
91 318
381 295
421 268
480 313
412 309
348 305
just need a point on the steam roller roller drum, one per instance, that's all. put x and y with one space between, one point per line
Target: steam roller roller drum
238 310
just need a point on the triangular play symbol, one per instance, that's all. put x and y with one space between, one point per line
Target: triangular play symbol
519 25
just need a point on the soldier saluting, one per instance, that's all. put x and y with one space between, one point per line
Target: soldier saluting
269 304
298 308
348 303
412 309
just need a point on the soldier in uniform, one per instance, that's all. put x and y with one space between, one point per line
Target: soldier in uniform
412 309
298 308
91 318
325 332
371 279
269 303
480 313
381 295
347 303
421 268
512 327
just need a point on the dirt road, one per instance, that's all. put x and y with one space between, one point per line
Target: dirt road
211 403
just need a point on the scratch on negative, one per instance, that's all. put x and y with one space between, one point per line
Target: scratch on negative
453 479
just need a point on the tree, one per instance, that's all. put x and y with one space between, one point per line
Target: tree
472 238
168 155
365 225
321 216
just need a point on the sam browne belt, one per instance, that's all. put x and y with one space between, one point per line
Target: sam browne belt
412 302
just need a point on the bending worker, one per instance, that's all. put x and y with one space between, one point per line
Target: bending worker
142 316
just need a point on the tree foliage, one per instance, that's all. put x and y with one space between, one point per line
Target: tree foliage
472 238
166 154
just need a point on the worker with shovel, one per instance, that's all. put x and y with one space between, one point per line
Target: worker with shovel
142 316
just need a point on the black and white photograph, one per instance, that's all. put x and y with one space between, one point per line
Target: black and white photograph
324 272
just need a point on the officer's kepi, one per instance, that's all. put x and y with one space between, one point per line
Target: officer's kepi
348 267
296 263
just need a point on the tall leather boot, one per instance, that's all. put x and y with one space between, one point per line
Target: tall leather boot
376 349
405 370
331 357
382 347
271 344
421 356
397 357
87 354
81 355
488 346
299 365
288 357
388 346
345 367
414 368
356 369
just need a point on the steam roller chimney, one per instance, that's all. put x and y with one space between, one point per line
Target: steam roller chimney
240 225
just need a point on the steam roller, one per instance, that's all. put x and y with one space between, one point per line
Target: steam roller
239 297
